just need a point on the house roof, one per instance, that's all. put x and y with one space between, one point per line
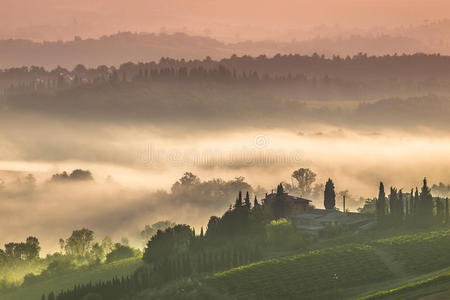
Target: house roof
272 196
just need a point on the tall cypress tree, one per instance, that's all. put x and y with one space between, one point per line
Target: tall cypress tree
416 202
400 206
255 202
247 200
329 200
279 204
393 203
239 200
426 201
381 203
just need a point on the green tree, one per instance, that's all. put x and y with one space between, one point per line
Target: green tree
426 201
150 230
305 178
279 205
173 240
80 242
329 195
32 248
119 252
247 200
381 202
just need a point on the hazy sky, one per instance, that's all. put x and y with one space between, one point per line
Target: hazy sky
216 17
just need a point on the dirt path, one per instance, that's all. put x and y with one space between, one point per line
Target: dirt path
394 266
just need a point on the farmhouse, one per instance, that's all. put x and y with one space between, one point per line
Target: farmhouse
297 205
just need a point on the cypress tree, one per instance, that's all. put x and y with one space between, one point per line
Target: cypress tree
381 203
279 205
416 202
401 209
255 202
393 204
247 200
239 200
426 201
329 200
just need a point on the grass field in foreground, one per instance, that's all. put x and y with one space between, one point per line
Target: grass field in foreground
315 275
427 287
34 291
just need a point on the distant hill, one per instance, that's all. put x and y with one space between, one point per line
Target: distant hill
135 47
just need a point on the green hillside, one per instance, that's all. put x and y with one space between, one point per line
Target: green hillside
346 271
65 281
313 275
436 286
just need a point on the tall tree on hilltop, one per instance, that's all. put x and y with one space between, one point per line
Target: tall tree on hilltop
393 203
400 206
305 178
255 202
329 200
416 202
279 204
247 200
381 202
239 200
426 201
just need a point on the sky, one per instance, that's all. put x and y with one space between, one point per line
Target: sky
232 18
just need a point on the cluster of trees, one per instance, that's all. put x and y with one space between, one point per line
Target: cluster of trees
76 175
291 76
79 250
416 207
19 252
358 66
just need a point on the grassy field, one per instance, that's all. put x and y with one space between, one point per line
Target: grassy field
315 275
102 272
419 253
407 265
416 264
436 287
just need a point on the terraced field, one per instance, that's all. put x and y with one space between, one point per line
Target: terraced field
343 272
419 253
431 288
313 275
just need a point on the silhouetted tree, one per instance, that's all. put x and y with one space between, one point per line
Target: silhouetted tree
426 202
305 178
329 195
381 202
279 206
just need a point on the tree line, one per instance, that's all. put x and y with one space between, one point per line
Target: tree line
416 207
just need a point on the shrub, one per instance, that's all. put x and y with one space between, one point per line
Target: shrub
120 252
281 233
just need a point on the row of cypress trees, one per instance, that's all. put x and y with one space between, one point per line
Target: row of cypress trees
417 207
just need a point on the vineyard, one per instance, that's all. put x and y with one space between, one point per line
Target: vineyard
428 286
324 273
420 253
314 275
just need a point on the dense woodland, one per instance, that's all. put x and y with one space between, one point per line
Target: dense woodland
386 91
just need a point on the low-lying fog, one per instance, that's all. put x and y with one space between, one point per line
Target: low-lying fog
141 161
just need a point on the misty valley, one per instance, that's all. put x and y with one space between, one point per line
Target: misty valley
199 163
